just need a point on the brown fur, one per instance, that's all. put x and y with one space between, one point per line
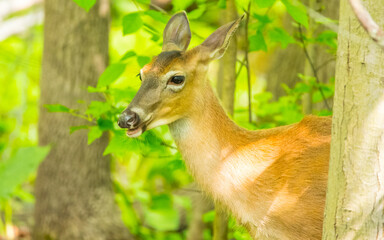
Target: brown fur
273 181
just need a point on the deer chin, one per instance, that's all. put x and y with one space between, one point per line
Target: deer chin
133 133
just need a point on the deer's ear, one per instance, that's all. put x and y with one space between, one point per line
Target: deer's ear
216 44
177 35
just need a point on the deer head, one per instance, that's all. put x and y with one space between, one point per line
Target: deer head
173 82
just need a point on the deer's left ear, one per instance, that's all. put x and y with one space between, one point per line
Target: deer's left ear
177 35
216 44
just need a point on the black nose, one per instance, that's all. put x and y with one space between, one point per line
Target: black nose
128 119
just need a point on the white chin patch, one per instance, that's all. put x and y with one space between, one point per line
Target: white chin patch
134 133
157 123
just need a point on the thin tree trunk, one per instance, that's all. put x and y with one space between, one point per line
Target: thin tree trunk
354 206
226 90
74 196
226 84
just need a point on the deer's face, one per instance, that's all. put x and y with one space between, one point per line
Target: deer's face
166 91
174 80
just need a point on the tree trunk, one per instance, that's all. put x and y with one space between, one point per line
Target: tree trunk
74 196
226 81
354 206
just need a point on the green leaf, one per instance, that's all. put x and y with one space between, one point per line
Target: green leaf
298 13
94 133
17 169
158 16
263 19
257 42
111 74
131 23
105 124
142 60
128 55
264 3
222 4
97 108
281 36
121 143
162 220
75 128
328 38
56 108
85 4
197 13
179 5
209 216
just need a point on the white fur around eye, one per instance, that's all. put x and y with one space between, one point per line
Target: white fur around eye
169 75
176 88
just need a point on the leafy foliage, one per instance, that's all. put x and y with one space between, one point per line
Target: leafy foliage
148 171
19 167
85 4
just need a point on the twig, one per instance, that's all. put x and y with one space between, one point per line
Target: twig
313 68
367 22
240 68
247 65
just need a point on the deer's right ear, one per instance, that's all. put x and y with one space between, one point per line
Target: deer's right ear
177 35
217 43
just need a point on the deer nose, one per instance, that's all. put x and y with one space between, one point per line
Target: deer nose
128 119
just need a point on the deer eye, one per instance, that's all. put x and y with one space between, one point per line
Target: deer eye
176 80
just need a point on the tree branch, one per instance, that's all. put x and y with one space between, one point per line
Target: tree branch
367 22
313 68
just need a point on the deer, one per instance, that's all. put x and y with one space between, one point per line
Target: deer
273 181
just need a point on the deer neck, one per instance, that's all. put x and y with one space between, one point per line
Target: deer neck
205 137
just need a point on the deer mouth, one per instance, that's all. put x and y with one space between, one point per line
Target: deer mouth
139 129
136 131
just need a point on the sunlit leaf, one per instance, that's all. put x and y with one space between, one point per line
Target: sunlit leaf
142 60
209 216
56 108
85 4
75 128
97 108
127 55
298 13
281 36
120 143
94 133
131 23
197 13
111 74
17 169
257 42
162 220
158 16
264 3
181 4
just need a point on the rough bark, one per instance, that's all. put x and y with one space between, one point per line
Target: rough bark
74 195
354 206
